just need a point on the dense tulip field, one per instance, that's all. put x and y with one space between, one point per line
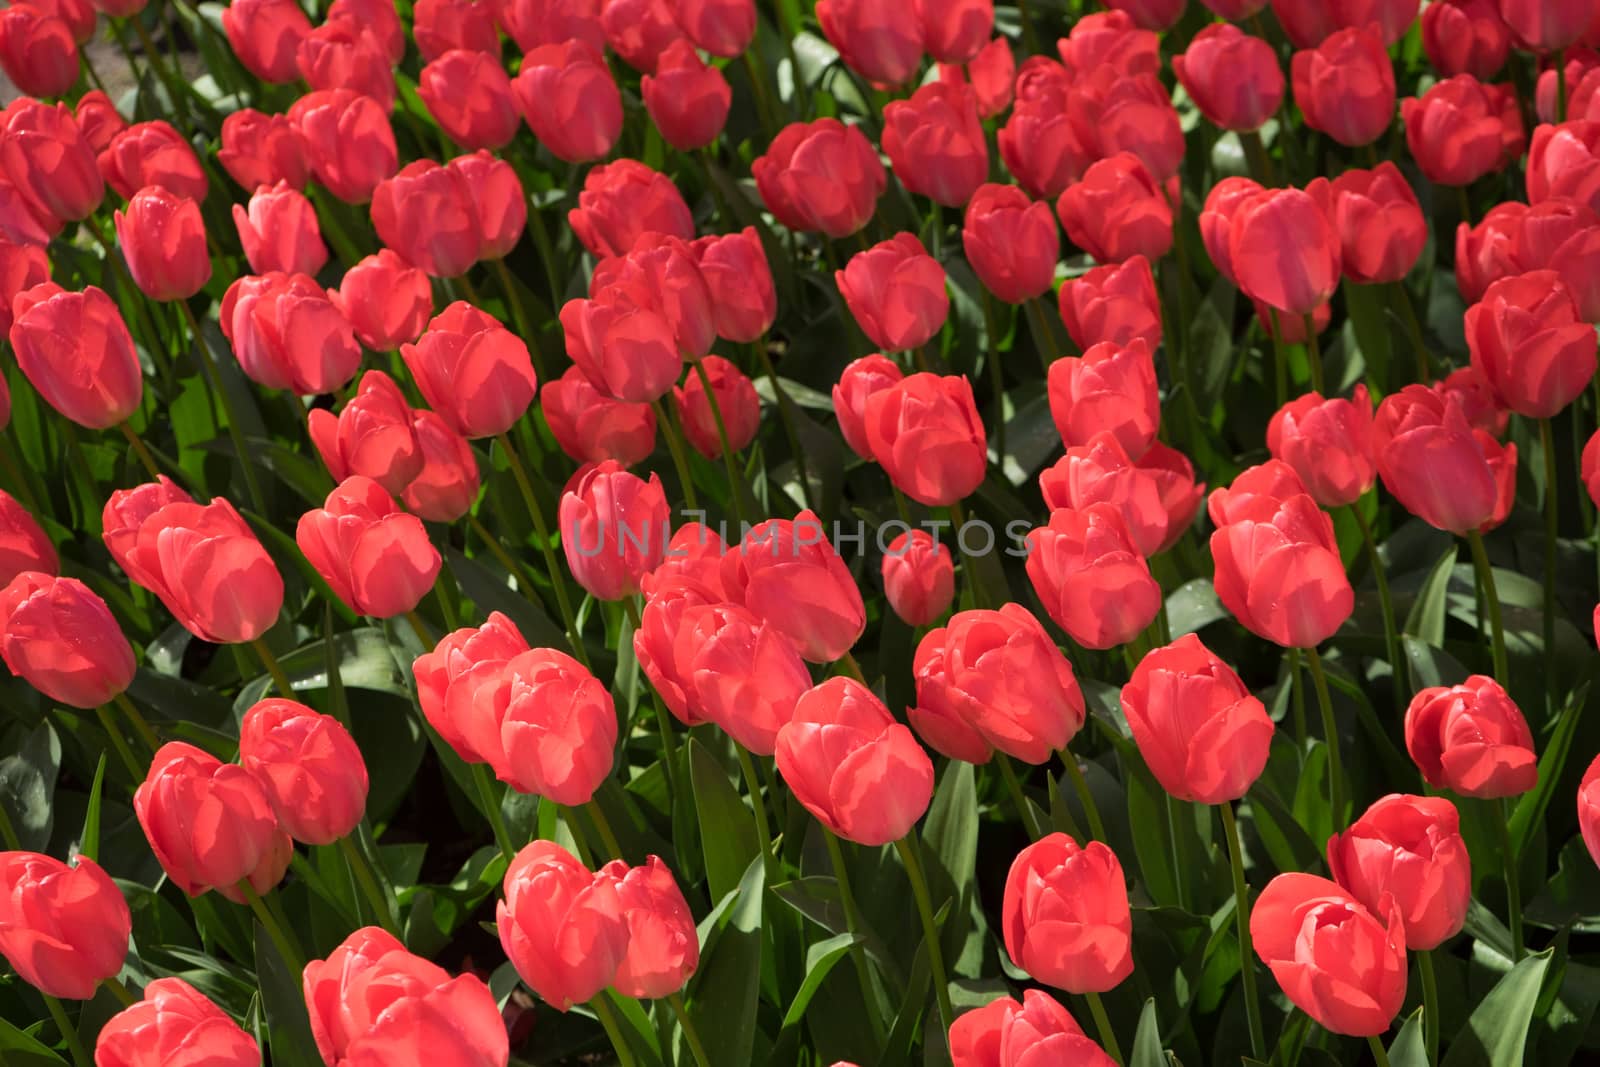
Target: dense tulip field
824 533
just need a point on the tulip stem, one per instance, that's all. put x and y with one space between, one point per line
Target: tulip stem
281 940
1391 638
697 1047
1176 810
996 378
1430 1005
1314 354
729 460
141 451
1297 697
8 832
1510 856
1414 327
852 668
1102 1024
274 668
1552 535
1241 911
497 550
367 879
907 847
854 927
1330 731
608 1021
69 1033
491 808
1009 775
763 828
141 726
602 825
1491 596
542 532
1379 1056
1044 338
209 366
120 743
121 992
785 416
680 460
1256 154
1464 201
519 314
1080 785
423 631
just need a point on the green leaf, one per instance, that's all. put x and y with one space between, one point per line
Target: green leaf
725 988
1431 666
1410 1048
1194 606
283 1000
1147 1051
89 839
727 827
489 592
18 1049
1497 1032
28 785
1147 816
1430 609
820 959
951 831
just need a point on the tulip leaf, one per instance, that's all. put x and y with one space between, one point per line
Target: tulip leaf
1431 666
820 960
724 990
89 838
489 592
283 1000
1410 1048
1497 1031
28 785
1147 1051
727 826
1147 816
20 1049
1429 610
1194 606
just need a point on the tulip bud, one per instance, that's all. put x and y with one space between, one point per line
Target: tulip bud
571 102
1465 37
1223 204
1038 1030
1233 78
1110 39
614 529
1564 161
342 54
473 371
377 558
859 382
499 205
1526 338
790 577
1379 222
821 176
737 405
174 1025
861 773
64 929
591 427
1589 808
441 26
1101 472
995 680
1114 113
1107 389
1471 738
1409 847
624 200
447 485
660 275
22 266
60 638
877 41
23 544
1345 86
1011 243
1564 236
373 1001
896 291
76 351
687 100
926 434
919 577
561 925
1115 304
153 154
534 23
279 231
163 238
1066 919
1334 959
693 562
37 51
639 31
1487 252
469 96
386 300
308 766
1461 129
630 353
1090 576
1329 445
663 948
1041 146
722 27
425 213
377 17
1284 252
262 150
557 725
1117 212
287 334
1450 474
936 144
48 160
99 120
739 280
266 35
1545 26
1279 572
448 677
348 142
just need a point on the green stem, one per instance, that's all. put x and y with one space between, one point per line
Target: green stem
1044 337
958 520
1430 1005
1102 1024
603 826
69 1033
497 550
1491 596
907 848
697 1048
121 992
680 460
1280 359
210 366
16 477
1330 731
120 743
1241 910
763 828
141 451
1464 201
367 879
1391 637
1510 855
1552 533
281 940
1175 813
1256 153
140 725
542 532
996 378
423 631
274 668
855 927
8 832
786 415
519 314
1379 1056
1080 785
1008 775
729 460
852 668
602 1011
1297 698
491 808
1414 327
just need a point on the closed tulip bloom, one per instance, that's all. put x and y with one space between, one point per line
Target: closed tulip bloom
936 144
1589 809
1565 161
1065 919
1117 212
1115 304
614 529
562 926
208 822
163 239
1108 389
1547 25
678 594
1180 494
22 221
22 266
1223 204
571 102
1011 243
926 434
1335 960
23 545
99 120
174 1025
1041 146
469 96
660 275
425 213
1233 78
343 54
373 1002
896 291
153 153
663 948
639 31
693 562
532 23
1449 473
377 558
1110 39
1329 444
821 176
557 727
1378 220
1090 576
1281 576
473 371
744 303
687 100
279 231
1589 468
446 487
348 141
386 300
992 74
622 201
1257 492
64 929
995 680
450 678
76 351
861 773
1004 1033
1487 252
1285 252
445 25
1345 86
266 35
37 51
59 637
919 577
377 17
1526 338
881 42
1563 236
1101 472
1151 14
788 575
1410 848
1472 739
954 31
499 204
48 160
629 353
737 404
1115 113
859 382
1465 37
591 427
287 334
309 767
262 150
1462 129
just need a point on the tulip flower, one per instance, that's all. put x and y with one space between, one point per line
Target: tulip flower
591 427
343 54
1329 443
739 281
279 231
1041 146
377 559
1038 1030
153 154
1563 236
1233 78
660 275
546 725
1110 39
640 31
262 315
373 436
262 150
1466 37
64 929
1115 304
1108 389
1410 848
788 575
76 351
1345 85
348 141
925 432
23 544
623 200
1527 340
1589 808
992 73
533 23
571 102
308 766
265 36
1564 161
1150 14
447 486
737 404
469 96
722 27
628 352
449 677
1279 573
1547 25
936 144
442 26
47 158
896 291
1156 496
687 100
37 51
663 947
99 119
163 239
1011 243
1066 920
1441 468
386 300
472 371
59 637
860 381
1090 576
1114 113
820 176
1471 738
425 213
174 1025
377 17
878 42
1461 129
919 577
561 925
499 205
614 529
1284 251
1118 211
1378 220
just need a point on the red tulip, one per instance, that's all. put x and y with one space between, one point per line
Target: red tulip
847 760
1329 443
472 371
1563 236
22 266
1066 919
469 96
1526 338
1003 1033
450 678
919 577
1442 469
1011 243
687 100
623 200
1471 738
1156 496
1547 25
446 25
348 142
1409 847
1335 960
1089 575
639 31
995 680
954 31
377 559
571 102
1487 252
1284 251
23 545
1117 211
1563 162
734 267
1345 86
591 427
820 176
37 51
860 381
722 27
21 222
663 947
1589 467
279 231
1110 39
60 638
790 577
210 824
1233 78
557 727
1581 84
425 213
936 144
448 483
386 300
926 434
693 563
1224 203
1379 222
878 41
660 275
628 352
377 17
174 1026
163 238
1115 304
1478 401
1107 389
992 74
896 291
1461 129
562 926
499 205
344 54
76 351
262 150
1279 572
308 766
1114 113
49 161
99 120
614 529
287 334
738 406
1041 146
1465 37
1589 808
532 23
64 929
265 35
